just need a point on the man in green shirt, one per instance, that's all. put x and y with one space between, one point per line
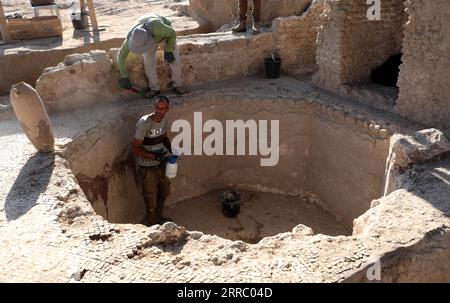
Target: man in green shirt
149 32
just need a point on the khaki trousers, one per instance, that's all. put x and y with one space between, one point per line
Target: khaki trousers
155 189
150 66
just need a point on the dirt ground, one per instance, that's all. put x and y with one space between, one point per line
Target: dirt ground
262 215
115 17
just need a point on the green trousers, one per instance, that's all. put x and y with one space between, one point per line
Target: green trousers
155 189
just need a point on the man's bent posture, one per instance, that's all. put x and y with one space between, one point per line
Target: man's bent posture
150 145
147 34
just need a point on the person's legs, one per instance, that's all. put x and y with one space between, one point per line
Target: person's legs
243 5
242 26
149 178
163 193
176 69
256 11
150 64
256 29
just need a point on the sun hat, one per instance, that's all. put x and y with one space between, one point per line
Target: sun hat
140 40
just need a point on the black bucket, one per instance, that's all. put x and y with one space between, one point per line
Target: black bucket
80 20
231 203
273 68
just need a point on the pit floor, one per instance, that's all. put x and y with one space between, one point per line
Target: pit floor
262 215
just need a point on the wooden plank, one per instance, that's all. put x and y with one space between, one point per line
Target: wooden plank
82 4
3 26
92 15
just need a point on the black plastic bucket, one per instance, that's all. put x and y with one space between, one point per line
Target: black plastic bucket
273 68
80 20
231 203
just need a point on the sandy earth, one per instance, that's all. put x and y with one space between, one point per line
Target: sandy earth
114 17
262 215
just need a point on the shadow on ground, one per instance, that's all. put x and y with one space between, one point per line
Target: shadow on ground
32 180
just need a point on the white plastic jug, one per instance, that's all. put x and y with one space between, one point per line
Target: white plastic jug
172 167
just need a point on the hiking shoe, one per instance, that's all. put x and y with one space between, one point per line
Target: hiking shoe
256 29
180 90
152 93
240 28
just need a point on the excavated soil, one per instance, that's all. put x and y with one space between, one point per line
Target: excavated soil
261 215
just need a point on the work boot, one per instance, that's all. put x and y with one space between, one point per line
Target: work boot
256 29
152 93
180 90
240 28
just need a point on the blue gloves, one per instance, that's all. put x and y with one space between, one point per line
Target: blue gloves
169 57
125 83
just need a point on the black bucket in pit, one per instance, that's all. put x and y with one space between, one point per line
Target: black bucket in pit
231 203
273 67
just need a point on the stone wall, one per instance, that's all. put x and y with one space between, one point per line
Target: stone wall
295 39
28 66
424 76
215 13
83 80
208 57
351 45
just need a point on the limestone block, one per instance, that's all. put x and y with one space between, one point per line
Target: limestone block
81 80
168 233
423 146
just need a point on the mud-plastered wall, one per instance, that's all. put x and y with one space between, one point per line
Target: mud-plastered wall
101 161
350 45
322 152
346 165
424 75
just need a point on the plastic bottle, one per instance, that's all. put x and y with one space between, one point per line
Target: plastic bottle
172 167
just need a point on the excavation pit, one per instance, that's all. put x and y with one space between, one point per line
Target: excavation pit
330 168
261 215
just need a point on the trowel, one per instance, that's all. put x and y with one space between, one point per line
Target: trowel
138 90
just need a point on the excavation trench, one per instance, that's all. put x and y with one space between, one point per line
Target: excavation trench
329 170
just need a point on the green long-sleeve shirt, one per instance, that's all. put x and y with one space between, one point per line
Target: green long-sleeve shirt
161 31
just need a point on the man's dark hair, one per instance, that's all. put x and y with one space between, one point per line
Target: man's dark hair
162 98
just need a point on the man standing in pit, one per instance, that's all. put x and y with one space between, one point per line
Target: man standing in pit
147 34
242 26
150 145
